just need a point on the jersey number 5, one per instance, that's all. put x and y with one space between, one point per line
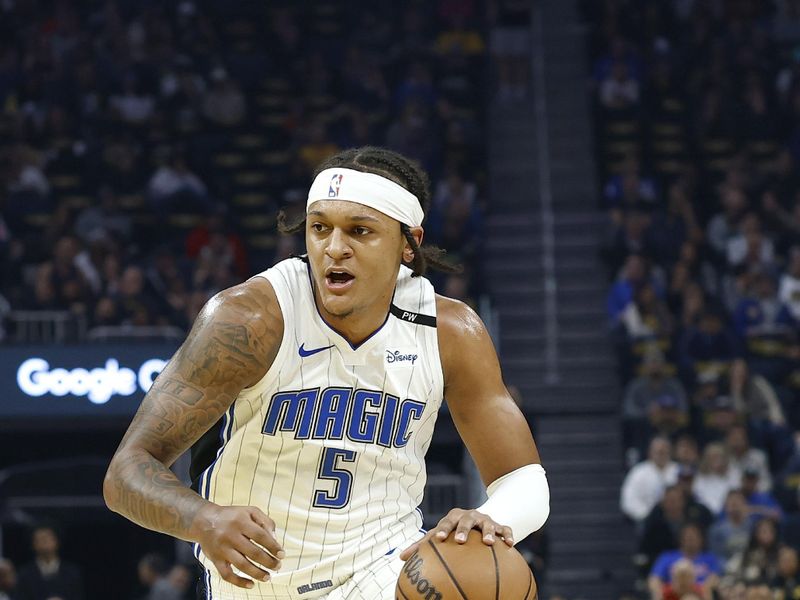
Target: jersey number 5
343 479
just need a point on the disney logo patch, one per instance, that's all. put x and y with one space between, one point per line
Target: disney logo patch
408 357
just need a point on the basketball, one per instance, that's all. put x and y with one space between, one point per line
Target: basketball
447 570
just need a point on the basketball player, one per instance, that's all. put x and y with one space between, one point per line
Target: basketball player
324 376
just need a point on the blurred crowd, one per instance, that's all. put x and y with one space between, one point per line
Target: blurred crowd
50 576
146 147
697 120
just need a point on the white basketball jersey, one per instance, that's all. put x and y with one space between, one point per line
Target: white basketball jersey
331 442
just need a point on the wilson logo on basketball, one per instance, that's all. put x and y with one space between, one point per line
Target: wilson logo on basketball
413 571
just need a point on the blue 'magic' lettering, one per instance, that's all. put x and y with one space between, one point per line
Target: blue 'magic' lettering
367 416
410 410
362 423
387 423
332 413
294 411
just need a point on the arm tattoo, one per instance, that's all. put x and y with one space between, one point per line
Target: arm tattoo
230 347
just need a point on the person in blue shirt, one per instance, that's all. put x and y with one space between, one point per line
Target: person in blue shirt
760 504
691 547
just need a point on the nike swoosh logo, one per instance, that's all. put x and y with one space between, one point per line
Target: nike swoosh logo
304 353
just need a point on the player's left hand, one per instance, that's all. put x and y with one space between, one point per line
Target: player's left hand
462 521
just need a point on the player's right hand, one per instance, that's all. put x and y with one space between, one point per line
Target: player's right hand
242 537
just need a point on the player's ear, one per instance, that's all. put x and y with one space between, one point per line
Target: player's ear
408 251
417 233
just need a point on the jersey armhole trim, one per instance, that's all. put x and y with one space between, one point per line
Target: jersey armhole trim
280 356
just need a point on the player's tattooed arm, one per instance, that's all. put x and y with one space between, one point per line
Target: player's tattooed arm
230 347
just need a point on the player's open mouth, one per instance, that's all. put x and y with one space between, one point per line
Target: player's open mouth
338 281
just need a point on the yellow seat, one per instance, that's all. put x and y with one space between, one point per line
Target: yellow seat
622 127
37 219
250 178
77 201
262 241
250 140
250 200
131 201
64 181
230 160
667 146
275 158
667 129
258 222
184 220
670 166
717 145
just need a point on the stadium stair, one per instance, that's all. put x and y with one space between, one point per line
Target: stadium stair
574 411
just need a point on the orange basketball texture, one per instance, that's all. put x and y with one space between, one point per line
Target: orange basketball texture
471 571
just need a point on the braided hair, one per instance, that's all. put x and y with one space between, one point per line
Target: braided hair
404 172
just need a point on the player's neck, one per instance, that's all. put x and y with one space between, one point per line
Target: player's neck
360 324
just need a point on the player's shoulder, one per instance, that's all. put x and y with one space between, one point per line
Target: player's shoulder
454 317
461 332
252 303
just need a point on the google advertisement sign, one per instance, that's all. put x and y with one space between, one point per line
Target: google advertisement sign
76 381
35 377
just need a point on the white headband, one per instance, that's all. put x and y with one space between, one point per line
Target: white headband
368 189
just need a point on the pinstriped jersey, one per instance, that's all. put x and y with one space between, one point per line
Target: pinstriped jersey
331 442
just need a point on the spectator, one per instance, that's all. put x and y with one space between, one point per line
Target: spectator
133 106
216 242
760 559
707 567
786 584
789 290
104 221
224 103
619 91
673 228
63 283
753 394
787 482
766 326
649 397
8 580
456 223
152 571
724 226
174 185
696 511
715 478
683 582
749 247
628 237
758 591
719 416
730 534
180 580
136 307
760 504
707 345
686 452
26 176
630 189
743 456
660 528
647 317
645 483
633 274
48 576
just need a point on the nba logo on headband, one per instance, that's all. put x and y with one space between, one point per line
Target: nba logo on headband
333 188
369 189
